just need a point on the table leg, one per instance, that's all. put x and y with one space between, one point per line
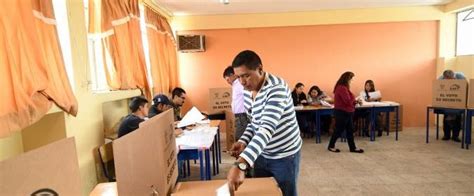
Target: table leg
318 127
188 166
208 164
463 130
427 124
468 128
214 158
437 126
387 122
397 119
201 165
372 124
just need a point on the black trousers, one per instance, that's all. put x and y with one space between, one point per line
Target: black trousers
451 122
344 122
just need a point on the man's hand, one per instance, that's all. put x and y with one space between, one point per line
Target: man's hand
235 178
236 149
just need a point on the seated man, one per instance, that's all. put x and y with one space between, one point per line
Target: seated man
452 121
139 108
161 103
178 95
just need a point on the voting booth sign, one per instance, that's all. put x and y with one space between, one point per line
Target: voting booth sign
220 100
450 93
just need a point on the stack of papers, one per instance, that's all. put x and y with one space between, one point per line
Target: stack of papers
192 117
199 137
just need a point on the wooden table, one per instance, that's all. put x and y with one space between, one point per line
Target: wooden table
105 189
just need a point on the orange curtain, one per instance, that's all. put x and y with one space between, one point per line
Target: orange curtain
117 23
32 72
163 57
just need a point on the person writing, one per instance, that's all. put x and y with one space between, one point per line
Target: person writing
178 96
161 103
369 95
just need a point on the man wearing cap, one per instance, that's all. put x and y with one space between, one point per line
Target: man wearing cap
161 103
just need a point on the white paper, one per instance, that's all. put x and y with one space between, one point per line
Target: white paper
326 104
193 116
373 95
364 103
198 137
223 190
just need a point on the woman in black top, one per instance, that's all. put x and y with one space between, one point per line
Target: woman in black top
299 98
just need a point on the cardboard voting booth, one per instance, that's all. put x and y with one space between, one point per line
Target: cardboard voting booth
49 170
450 93
470 103
229 129
145 159
220 100
250 187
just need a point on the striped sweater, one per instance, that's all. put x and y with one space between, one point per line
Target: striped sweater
273 131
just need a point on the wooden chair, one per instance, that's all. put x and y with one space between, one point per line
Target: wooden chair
105 159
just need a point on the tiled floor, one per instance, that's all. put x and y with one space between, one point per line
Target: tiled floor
388 167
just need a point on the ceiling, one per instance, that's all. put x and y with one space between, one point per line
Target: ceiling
212 7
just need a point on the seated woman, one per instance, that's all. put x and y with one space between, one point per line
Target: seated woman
369 94
299 99
315 96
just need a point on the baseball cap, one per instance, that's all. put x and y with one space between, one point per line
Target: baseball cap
161 98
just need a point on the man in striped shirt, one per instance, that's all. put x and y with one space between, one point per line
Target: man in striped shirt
271 142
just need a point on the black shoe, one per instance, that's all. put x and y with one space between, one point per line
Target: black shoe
379 134
445 138
456 139
334 150
357 151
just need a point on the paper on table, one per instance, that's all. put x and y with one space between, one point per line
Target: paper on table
364 103
193 116
199 137
223 190
373 95
326 104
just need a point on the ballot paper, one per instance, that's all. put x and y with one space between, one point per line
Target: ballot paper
223 190
198 137
193 116
326 104
300 107
373 95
